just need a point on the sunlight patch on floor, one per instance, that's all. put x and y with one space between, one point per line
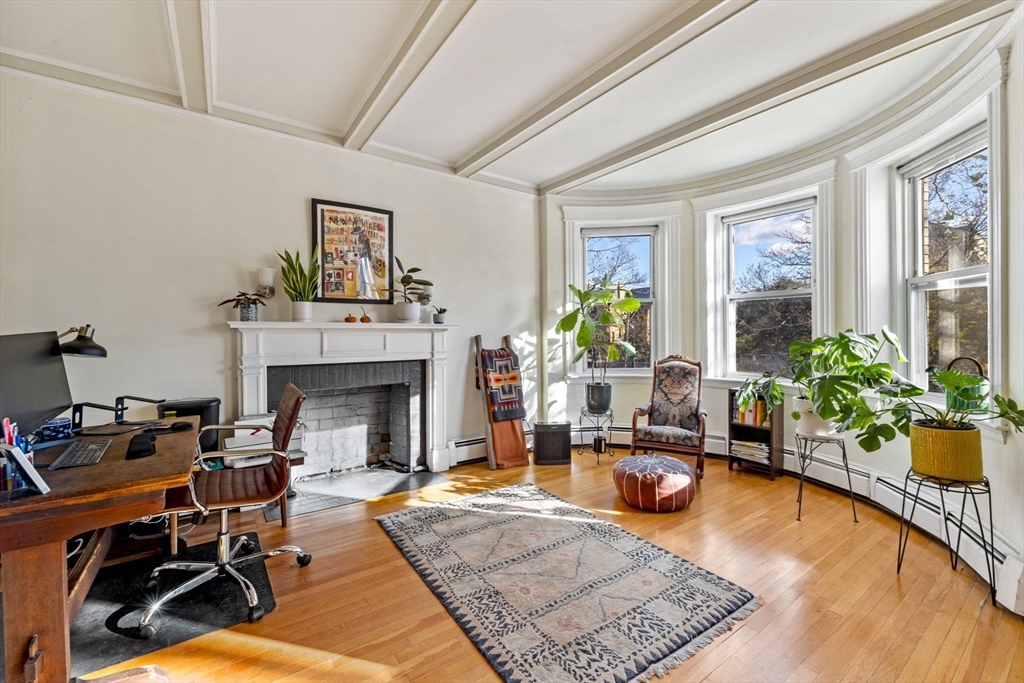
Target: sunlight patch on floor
223 656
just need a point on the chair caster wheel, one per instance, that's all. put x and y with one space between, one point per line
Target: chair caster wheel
147 631
256 613
247 546
153 586
304 559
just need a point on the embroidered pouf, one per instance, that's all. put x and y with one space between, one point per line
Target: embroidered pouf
656 483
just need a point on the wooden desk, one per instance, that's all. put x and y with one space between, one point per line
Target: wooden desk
34 531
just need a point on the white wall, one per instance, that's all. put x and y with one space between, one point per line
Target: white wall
139 219
1004 463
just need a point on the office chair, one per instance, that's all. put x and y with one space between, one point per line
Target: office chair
220 490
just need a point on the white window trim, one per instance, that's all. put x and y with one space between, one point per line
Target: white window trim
713 256
663 221
877 208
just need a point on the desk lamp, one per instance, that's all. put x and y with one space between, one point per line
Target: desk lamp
83 344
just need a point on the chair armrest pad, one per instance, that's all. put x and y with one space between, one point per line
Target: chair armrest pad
701 410
253 428
245 452
645 409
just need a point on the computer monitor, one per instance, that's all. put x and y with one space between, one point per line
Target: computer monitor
33 384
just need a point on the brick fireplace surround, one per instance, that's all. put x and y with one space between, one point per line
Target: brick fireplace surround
355 374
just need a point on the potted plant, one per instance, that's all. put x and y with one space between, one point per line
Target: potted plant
247 305
944 441
300 284
412 287
827 371
439 315
597 313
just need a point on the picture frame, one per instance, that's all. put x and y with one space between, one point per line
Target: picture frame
353 245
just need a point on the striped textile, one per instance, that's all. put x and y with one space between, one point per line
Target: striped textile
656 483
503 384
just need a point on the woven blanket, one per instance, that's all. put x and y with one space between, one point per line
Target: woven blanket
503 384
549 592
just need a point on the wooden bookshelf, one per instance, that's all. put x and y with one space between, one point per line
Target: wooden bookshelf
756 446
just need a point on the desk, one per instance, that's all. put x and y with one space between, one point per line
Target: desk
34 531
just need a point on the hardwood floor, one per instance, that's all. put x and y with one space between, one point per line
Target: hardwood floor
834 608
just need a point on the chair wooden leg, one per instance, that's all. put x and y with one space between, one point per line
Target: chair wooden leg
700 465
174 533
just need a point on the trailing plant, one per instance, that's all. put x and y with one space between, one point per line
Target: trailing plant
300 284
244 299
440 311
595 312
835 373
410 285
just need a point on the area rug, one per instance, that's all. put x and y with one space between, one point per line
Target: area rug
106 630
346 488
549 592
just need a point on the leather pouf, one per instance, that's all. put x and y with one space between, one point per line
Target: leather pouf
656 483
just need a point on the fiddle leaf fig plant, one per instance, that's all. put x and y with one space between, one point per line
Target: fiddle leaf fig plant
595 312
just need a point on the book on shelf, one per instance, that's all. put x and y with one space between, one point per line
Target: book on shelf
755 415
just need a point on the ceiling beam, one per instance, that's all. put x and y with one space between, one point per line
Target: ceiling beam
186 23
693 21
941 23
435 23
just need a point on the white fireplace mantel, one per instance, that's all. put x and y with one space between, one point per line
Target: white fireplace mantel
265 344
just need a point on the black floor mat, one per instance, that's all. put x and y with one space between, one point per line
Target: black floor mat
106 630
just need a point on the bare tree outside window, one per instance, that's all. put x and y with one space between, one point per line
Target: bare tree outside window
953 239
771 289
625 262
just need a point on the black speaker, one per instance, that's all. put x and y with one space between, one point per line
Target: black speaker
552 443
208 410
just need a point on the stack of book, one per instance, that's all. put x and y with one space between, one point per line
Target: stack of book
751 450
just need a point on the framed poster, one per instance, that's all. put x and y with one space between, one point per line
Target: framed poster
353 246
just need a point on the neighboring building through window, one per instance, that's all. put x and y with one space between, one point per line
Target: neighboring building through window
623 257
948 251
770 285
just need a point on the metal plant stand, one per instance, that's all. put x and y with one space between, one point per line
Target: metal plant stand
599 422
975 489
806 445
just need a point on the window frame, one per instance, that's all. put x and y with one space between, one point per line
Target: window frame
711 254
728 223
662 220
913 286
628 231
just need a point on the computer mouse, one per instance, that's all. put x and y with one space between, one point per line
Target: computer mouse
181 426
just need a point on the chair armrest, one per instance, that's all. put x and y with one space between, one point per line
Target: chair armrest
220 454
645 409
246 452
254 428
701 410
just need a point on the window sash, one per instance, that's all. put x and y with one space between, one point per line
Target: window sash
957 149
728 224
627 231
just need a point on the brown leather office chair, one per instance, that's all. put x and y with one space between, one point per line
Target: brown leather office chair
220 490
675 414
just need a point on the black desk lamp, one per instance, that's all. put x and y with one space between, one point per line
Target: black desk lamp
83 344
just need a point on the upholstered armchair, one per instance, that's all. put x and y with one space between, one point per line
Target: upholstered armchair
675 416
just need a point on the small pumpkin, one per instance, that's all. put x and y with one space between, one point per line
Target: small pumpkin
350 318
366 318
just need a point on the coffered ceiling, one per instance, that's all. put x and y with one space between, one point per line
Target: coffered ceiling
543 96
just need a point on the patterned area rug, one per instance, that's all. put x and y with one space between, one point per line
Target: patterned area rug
549 592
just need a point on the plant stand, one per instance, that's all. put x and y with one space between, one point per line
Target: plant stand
599 422
974 489
806 445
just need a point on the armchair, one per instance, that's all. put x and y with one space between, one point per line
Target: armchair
675 415
219 490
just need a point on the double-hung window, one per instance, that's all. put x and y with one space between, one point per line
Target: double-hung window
624 258
947 248
770 282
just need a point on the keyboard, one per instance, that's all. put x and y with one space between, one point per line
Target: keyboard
81 453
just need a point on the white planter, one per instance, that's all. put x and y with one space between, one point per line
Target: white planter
439 318
408 312
302 311
810 422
